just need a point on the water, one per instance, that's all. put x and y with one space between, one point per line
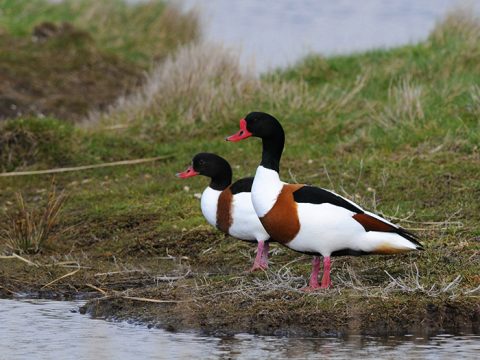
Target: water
278 32
45 329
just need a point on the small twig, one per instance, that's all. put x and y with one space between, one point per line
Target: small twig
97 289
359 174
473 290
170 257
66 264
172 278
154 300
15 256
119 272
291 262
444 222
453 284
292 176
8 290
395 281
85 167
61 277
328 176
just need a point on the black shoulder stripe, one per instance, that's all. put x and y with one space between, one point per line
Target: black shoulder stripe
315 195
242 185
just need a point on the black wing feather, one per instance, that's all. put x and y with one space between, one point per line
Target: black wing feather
315 195
242 185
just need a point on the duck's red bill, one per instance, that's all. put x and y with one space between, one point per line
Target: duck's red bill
243 133
188 173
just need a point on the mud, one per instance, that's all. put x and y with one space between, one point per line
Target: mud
298 315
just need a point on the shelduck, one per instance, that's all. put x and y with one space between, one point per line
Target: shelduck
313 220
229 206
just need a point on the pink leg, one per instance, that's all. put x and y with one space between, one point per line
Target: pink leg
264 259
326 282
313 283
260 262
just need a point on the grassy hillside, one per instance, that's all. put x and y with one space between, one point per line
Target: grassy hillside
69 58
395 130
140 33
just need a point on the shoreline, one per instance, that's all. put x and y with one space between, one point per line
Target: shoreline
227 302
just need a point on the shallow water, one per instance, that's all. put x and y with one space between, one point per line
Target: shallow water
45 329
278 32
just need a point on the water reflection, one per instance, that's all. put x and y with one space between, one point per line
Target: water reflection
45 329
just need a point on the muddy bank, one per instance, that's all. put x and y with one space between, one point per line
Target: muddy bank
196 280
293 314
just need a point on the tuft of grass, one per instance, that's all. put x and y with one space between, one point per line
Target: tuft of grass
405 105
461 26
28 141
29 228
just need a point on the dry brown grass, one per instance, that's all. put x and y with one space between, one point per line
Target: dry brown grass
294 96
461 23
29 228
17 141
202 82
196 83
405 104
411 282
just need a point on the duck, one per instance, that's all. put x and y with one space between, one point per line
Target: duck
227 206
310 219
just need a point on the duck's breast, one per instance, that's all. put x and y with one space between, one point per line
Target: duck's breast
266 188
209 204
281 221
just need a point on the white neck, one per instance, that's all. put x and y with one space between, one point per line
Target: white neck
209 204
265 190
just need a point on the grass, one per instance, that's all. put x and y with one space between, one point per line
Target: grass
395 130
29 228
141 33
